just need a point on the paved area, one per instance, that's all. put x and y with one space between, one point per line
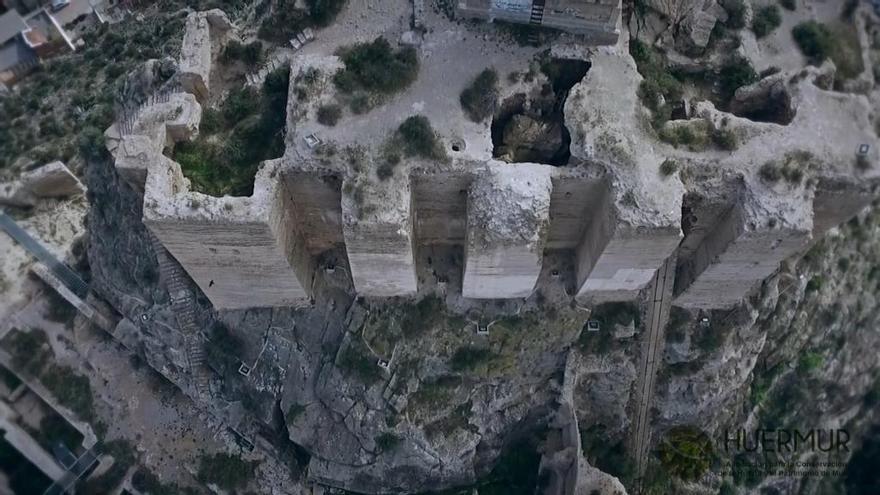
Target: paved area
659 303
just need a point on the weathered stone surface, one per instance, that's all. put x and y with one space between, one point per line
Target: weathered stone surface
508 219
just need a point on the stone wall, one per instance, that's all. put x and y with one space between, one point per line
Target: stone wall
610 212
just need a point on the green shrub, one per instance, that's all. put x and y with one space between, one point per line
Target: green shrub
809 362
360 103
725 139
419 139
736 73
766 19
71 389
252 130
91 143
229 472
329 115
239 105
815 284
788 4
251 54
387 441
814 39
686 452
30 350
736 13
376 67
478 100
467 358
287 19
769 172
324 12
709 340
211 122
357 361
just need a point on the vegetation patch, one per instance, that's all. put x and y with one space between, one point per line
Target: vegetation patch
608 455
480 98
699 135
62 108
766 20
469 358
71 389
819 42
223 349
288 17
434 393
229 472
30 351
375 67
248 129
668 167
250 54
329 115
358 361
686 452
387 441
417 138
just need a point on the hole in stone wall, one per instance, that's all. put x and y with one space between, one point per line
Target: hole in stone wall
532 128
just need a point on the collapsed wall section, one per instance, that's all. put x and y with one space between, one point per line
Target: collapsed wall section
508 218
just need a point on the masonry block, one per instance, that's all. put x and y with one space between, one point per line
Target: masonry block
627 262
746 247
378 231
508 221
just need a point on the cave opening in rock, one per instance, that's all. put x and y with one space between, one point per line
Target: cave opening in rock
531 128
770 104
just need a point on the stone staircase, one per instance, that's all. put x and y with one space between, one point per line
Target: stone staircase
183 305
537 16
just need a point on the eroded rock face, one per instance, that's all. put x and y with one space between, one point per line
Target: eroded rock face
755 374
528 140
768 100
